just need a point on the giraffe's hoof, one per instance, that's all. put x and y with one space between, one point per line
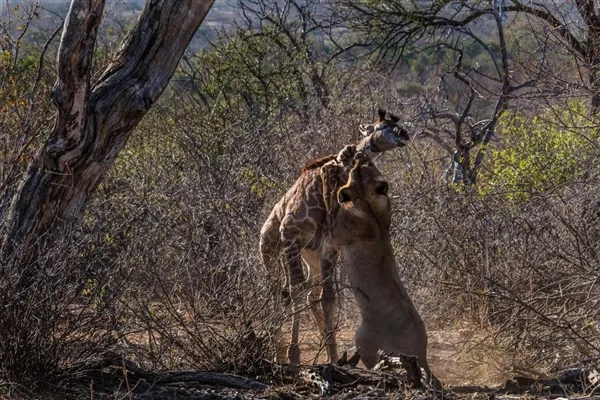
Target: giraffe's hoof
286 296
361 157
294 353
280 358
347 153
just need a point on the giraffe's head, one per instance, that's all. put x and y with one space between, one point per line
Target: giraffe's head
385 133
364 212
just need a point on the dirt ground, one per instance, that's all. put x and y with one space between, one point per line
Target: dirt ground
448 356
467 375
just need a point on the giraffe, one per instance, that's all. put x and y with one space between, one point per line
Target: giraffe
295 228
359 227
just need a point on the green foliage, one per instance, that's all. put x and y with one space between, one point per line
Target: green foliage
250 75
539 153
257 184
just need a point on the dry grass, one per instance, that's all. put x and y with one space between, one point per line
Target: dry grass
166 261
460 354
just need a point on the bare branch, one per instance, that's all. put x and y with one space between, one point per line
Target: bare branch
71 90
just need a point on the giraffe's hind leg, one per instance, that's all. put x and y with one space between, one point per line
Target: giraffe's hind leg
292 238
270 246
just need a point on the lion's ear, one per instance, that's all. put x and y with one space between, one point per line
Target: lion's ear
344 195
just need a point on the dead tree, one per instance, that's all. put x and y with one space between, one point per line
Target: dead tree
572 27
469 132
94 119
295 29
461 116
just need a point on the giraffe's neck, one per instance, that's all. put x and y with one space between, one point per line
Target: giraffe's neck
366 146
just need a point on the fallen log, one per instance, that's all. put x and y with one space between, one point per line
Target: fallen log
114 372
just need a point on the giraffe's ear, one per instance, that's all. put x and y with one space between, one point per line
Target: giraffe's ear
366 129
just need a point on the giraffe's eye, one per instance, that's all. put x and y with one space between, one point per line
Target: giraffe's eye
382 188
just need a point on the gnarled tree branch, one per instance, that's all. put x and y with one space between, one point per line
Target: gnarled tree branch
93 124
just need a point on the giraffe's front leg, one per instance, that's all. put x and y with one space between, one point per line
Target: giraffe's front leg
297 290
329 256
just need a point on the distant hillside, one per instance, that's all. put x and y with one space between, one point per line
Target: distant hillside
121 13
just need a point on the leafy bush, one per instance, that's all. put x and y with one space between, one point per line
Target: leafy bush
538 153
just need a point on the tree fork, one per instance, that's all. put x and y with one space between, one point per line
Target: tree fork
93 124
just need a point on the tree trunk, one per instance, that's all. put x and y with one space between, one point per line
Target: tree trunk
594 105
592 55
94 123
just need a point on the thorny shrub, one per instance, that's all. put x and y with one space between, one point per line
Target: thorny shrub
59 311
526 274
165 267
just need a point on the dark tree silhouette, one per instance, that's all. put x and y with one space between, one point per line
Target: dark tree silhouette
94 120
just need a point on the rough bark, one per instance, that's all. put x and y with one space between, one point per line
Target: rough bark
93 123
594 78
